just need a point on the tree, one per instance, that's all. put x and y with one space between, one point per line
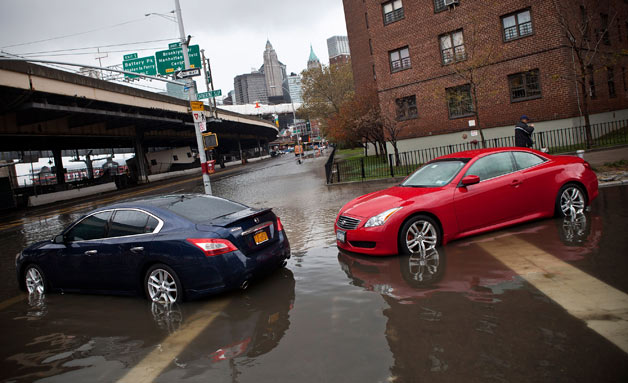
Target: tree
470 56
324 91
588 51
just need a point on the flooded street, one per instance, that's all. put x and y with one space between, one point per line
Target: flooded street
470 311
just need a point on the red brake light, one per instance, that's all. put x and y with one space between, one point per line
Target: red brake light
279 225
213 246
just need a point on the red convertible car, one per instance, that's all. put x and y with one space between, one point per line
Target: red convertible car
463 194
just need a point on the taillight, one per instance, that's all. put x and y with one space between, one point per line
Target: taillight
213 246
279 225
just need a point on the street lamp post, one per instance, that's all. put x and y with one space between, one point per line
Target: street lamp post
192 95
294 118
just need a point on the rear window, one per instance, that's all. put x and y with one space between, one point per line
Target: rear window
201 208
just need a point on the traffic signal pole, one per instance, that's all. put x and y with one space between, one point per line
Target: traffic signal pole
192 94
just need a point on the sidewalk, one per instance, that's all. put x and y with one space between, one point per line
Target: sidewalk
606 178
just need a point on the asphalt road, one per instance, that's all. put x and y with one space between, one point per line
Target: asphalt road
541 302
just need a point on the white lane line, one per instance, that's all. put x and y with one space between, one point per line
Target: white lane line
149 368
602 307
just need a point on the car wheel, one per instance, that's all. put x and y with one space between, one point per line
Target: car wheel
162 284
418 235
571 201
34 280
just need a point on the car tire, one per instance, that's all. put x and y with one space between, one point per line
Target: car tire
162 285
34 280
570 201
419 234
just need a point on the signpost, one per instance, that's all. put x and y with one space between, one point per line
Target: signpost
144 65
171 60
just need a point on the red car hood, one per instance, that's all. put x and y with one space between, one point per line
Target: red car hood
372 204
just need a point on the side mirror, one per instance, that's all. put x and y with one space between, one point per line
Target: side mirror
59 239
470 180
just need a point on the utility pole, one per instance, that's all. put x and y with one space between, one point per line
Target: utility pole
209 82
192 94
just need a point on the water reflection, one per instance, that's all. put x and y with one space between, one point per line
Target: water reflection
78 337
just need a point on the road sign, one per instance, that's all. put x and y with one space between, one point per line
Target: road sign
174 45
210 94
201 126
198 116
187 73
143 65
197 105
130 56
171 60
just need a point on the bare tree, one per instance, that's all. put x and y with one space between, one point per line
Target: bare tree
588 47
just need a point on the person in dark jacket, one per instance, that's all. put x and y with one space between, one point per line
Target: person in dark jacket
523 132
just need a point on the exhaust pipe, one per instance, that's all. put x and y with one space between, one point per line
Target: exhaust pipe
244 285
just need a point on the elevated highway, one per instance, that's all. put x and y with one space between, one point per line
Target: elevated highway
42 108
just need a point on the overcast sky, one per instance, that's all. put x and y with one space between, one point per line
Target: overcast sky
233 33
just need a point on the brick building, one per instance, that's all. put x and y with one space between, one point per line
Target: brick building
408 53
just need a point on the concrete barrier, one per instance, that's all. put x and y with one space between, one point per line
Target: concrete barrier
70 194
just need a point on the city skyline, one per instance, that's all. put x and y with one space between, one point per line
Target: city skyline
233 42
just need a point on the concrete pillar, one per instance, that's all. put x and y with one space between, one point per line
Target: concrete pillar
240 147
259 147
60 171
140 156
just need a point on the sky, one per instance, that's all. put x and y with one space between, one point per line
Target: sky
232 33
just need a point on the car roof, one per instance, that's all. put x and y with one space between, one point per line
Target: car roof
482 152
157 201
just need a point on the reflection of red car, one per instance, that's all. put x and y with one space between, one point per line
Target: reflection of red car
463 194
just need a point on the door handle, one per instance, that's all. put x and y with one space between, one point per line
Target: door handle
515 183
138 249
91 252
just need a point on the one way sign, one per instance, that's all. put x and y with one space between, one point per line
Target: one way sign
187 73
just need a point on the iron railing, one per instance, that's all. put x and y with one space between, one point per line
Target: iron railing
554 141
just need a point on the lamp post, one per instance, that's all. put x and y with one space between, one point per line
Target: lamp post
294 118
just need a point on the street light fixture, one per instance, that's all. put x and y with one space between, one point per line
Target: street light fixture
163 15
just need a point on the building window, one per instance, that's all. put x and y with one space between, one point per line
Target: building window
591 82
441 5
153 162
604 31
524 85
585 23
175 157
399 59
452 47
610 78
459 101
406 108
516 25
393 11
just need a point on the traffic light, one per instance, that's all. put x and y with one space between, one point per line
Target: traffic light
210 140
308 126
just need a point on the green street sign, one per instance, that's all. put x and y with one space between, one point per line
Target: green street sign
174 45
143 65
202 95
130 56
210 94
171 60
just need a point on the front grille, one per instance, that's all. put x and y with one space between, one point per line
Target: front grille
363 244
348 223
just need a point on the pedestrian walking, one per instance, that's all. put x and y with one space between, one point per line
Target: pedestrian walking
523 132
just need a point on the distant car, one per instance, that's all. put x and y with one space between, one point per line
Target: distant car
168 248
463 194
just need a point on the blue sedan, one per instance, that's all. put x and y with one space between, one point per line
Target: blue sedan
168 248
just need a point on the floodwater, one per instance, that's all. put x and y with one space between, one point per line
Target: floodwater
464 312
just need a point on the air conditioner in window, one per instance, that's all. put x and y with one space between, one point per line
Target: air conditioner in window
451 2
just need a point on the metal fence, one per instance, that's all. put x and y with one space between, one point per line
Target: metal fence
554 141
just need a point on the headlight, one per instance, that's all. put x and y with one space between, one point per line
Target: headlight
381 218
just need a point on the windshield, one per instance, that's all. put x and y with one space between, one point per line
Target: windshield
435 174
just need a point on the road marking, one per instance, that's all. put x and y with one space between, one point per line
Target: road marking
153 364
602 307
12 301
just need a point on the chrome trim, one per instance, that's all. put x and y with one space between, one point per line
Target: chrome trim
257 228
347 223
160 224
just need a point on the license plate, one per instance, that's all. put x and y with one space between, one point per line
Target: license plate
341 236
260 237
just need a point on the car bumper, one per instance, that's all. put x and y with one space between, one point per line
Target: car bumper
230 271
379 241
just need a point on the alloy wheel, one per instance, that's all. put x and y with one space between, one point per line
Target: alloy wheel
572 202
162 287
421 236
34 281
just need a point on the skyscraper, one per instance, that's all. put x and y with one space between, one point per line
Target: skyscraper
338 48
313 61
249 88
272 72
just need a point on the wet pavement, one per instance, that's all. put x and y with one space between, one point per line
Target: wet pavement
465 312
